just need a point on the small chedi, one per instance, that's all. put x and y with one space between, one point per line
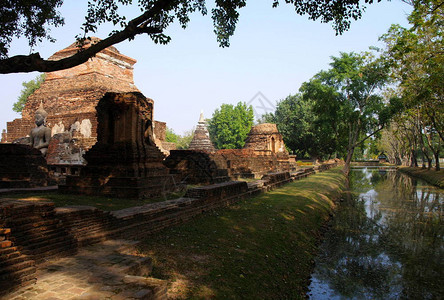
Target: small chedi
265 139
196 165
201 138
125 162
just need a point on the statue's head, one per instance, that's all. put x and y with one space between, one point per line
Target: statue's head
40 115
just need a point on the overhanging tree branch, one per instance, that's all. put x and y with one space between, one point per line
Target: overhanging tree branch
34 62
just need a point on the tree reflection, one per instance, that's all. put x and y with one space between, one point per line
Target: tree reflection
385 241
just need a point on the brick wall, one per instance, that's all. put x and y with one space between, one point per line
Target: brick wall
246 162
159 129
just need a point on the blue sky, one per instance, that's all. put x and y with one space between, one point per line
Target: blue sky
273 51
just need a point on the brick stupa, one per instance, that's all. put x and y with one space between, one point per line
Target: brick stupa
265 139
71 95
201 139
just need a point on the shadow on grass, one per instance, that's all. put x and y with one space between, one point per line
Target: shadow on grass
260 248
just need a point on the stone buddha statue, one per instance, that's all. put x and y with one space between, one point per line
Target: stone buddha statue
40 135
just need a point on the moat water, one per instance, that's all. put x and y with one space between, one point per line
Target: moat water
385 241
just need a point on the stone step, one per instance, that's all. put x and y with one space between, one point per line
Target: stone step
44 241
91 229
93 233
88 223
13 280
17 283
15 271
6 251
5 244
68 250
44 236
93 239
47 246
30 222
38 237
10 255
5 231
27 231
13 260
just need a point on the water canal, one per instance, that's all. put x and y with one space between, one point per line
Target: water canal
385 241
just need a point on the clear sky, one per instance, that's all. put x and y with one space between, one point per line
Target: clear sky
273 52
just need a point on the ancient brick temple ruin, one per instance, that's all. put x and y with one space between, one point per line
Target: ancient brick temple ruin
264 152
196 165
125 162
70 97
159 132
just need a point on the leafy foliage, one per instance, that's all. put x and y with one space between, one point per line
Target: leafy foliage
416 59
230 125
156 17
347 97
28 88
30 19
183 141
170 136
305 133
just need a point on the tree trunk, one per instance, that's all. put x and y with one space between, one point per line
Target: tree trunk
429 162
437 167
346 168
413 160
429 159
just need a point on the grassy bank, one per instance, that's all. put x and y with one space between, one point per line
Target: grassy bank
260 248
431 176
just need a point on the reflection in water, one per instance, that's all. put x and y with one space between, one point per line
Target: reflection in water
386 241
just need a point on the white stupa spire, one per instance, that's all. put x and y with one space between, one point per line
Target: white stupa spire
201 118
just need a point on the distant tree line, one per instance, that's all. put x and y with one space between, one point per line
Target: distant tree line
367 103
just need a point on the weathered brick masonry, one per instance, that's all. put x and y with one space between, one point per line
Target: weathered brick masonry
70 97
42 231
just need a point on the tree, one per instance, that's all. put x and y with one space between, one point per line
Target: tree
417 60
230 125
349 95
31 20
171 136
305 132
183 141
28 89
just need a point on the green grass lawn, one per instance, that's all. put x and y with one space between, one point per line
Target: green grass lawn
431 176
260 248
